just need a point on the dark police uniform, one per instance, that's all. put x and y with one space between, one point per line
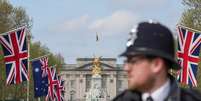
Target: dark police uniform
176 94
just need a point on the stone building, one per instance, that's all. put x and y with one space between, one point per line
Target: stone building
78 78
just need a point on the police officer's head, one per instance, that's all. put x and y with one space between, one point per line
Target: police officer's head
153 40
150 53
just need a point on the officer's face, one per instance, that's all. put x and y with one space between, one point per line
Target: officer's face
139 70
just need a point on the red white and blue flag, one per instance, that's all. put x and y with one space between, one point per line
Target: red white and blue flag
60 89
15 49
189 43
44 67
40 82
55 86
52 82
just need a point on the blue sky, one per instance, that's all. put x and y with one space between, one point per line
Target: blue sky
69 27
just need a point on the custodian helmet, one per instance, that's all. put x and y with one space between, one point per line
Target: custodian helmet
152 39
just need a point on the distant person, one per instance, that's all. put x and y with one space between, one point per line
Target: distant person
150 54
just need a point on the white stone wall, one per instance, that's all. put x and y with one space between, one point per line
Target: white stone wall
111 85
80 83
79 76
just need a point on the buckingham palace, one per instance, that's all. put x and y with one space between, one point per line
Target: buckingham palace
79 77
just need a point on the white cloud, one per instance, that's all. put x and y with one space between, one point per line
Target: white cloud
139 4
151 3
117 22
73 24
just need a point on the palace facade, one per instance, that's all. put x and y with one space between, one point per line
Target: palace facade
78 78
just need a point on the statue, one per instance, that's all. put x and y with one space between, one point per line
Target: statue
96 92
96 66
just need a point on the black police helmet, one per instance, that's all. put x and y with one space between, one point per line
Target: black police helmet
153 39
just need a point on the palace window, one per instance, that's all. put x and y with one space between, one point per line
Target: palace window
104 81
72 83
67 75
88 81
111 80
72 95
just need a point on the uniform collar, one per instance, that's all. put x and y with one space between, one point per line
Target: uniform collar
160 94
175 91
133 95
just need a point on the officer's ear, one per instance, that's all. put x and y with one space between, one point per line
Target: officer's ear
157 65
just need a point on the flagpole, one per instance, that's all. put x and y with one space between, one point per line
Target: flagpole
28 39
39 57
6 33
189 28
97 39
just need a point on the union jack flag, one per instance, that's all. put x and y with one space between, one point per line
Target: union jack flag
189 43
60 89
14 44
52 81
44 62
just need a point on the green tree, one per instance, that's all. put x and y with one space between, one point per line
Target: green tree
38 50
191 18
11 18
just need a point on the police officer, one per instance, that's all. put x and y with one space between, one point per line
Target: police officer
149 55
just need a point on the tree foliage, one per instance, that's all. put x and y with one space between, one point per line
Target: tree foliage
191 18
11 18
38 50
